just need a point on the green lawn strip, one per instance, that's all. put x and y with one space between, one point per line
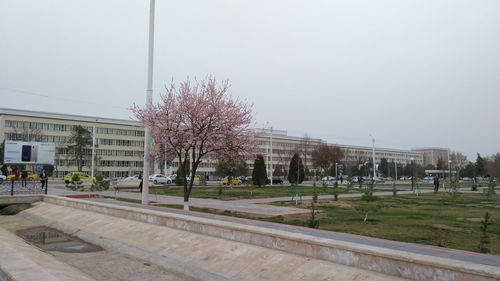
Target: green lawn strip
433 219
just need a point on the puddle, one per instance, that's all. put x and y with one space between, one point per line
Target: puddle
50 239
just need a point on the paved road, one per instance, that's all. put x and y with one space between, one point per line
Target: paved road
234 206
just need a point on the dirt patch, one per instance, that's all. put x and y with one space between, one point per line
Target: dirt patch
447 227
50 239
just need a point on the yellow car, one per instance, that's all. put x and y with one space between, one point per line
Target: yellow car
83 177
234 181
31 176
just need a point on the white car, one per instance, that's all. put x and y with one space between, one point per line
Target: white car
3 178
158 178
328 178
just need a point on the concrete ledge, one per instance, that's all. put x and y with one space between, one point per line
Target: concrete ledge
20 199
386 261
21 261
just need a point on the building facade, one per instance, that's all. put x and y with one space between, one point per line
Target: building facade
119 145
433 154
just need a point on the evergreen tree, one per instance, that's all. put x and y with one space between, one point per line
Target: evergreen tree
278 171
296 164
80 141
480 165
259 174
383 167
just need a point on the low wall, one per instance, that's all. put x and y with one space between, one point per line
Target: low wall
20 199
386 261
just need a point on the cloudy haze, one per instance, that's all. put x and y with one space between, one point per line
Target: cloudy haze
411 73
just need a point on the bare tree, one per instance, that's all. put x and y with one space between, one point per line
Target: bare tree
458 160
304 148
324 156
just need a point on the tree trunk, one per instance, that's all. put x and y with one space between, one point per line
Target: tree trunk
366 217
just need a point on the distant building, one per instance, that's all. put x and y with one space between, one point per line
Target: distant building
433 154
120 145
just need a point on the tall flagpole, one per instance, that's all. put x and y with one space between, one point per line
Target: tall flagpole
149 102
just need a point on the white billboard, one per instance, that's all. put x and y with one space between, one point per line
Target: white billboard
18 152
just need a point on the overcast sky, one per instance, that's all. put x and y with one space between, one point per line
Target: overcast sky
412 73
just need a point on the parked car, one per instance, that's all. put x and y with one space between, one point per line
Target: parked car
277 180
2 178
234 181
328 178
159 178
243 179
83 177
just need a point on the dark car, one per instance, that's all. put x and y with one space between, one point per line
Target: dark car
276 180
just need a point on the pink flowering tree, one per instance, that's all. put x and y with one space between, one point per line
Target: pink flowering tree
197 121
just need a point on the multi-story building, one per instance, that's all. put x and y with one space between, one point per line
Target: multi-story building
120 144
433 154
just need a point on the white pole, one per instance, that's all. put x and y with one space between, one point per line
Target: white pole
93 151
396 170
336 174
149 102
271 155
373 155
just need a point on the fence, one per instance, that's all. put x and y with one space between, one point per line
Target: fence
17 187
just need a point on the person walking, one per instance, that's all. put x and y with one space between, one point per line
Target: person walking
140 184
43 179
24 177
436 184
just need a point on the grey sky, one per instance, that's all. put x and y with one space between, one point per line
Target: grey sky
411 73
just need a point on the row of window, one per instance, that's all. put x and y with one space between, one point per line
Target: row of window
109 163
127 153
63 139
104 163
106 174
120 132
120 142
38 138
102 152
65 128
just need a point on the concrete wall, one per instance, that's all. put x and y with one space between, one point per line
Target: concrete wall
386 261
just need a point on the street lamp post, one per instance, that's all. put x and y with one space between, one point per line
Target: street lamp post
412 177
449 167
271 154
336 175
149 101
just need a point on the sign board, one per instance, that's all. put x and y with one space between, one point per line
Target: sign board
18 152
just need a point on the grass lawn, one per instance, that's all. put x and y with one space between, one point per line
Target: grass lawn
433 219
248 192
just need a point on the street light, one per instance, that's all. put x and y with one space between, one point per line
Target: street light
412 177
449 167
336 175
149 101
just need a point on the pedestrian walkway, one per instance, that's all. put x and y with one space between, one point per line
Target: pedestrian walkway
233 206
248 206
